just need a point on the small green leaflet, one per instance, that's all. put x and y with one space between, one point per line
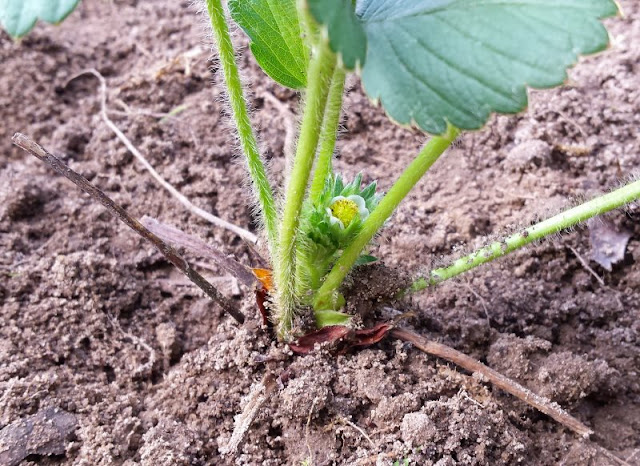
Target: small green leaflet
19 16
433 61
364 260
346 35
276 38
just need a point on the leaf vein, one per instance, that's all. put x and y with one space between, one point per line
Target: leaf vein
441 96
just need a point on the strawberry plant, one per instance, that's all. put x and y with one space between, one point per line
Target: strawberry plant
439 66
18 17
442 66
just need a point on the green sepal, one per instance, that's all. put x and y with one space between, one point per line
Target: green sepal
321 241
365 259
369 191
320 229
330 317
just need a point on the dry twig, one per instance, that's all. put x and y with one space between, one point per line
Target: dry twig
607 454
463 393
243 420
347 422
179 238
483 303
164 183
172 256
633 454
143 368
586 266
254 401
540 403
306 429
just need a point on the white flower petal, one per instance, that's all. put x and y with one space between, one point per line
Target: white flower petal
333 220
363 212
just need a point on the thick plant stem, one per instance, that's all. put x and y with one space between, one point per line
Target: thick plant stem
329 133
262 188
327 294
321 69
567 219
308 271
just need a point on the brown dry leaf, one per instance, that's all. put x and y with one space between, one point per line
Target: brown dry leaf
330 334
335 334
261 298
608 244
179 238
265 277
370 336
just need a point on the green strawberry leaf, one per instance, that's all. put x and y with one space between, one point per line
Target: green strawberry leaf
19 16
276 38
346 34
433 61
430 62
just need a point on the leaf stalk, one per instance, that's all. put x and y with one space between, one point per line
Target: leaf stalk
567 219
327 294
321 69
240 113
328 133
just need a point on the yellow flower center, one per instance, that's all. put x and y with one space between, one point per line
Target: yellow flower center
344 210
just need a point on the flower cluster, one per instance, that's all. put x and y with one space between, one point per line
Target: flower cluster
337 216
327 226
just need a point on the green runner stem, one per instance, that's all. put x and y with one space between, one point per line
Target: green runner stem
567 219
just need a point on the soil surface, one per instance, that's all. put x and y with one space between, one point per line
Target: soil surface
95 323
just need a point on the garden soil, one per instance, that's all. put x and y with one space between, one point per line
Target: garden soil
96 324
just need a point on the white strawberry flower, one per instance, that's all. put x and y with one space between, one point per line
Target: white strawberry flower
343 210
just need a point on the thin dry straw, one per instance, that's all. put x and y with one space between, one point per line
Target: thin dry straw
164 183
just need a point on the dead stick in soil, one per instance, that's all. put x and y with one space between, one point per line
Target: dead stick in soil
179 238
607 454
585 264
359 429
143 368
542 404
164 183
242 422
172 256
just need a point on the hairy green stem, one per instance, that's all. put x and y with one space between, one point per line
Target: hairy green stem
567 219
308 26
239 110
328 133
321 69
327 294
309 267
